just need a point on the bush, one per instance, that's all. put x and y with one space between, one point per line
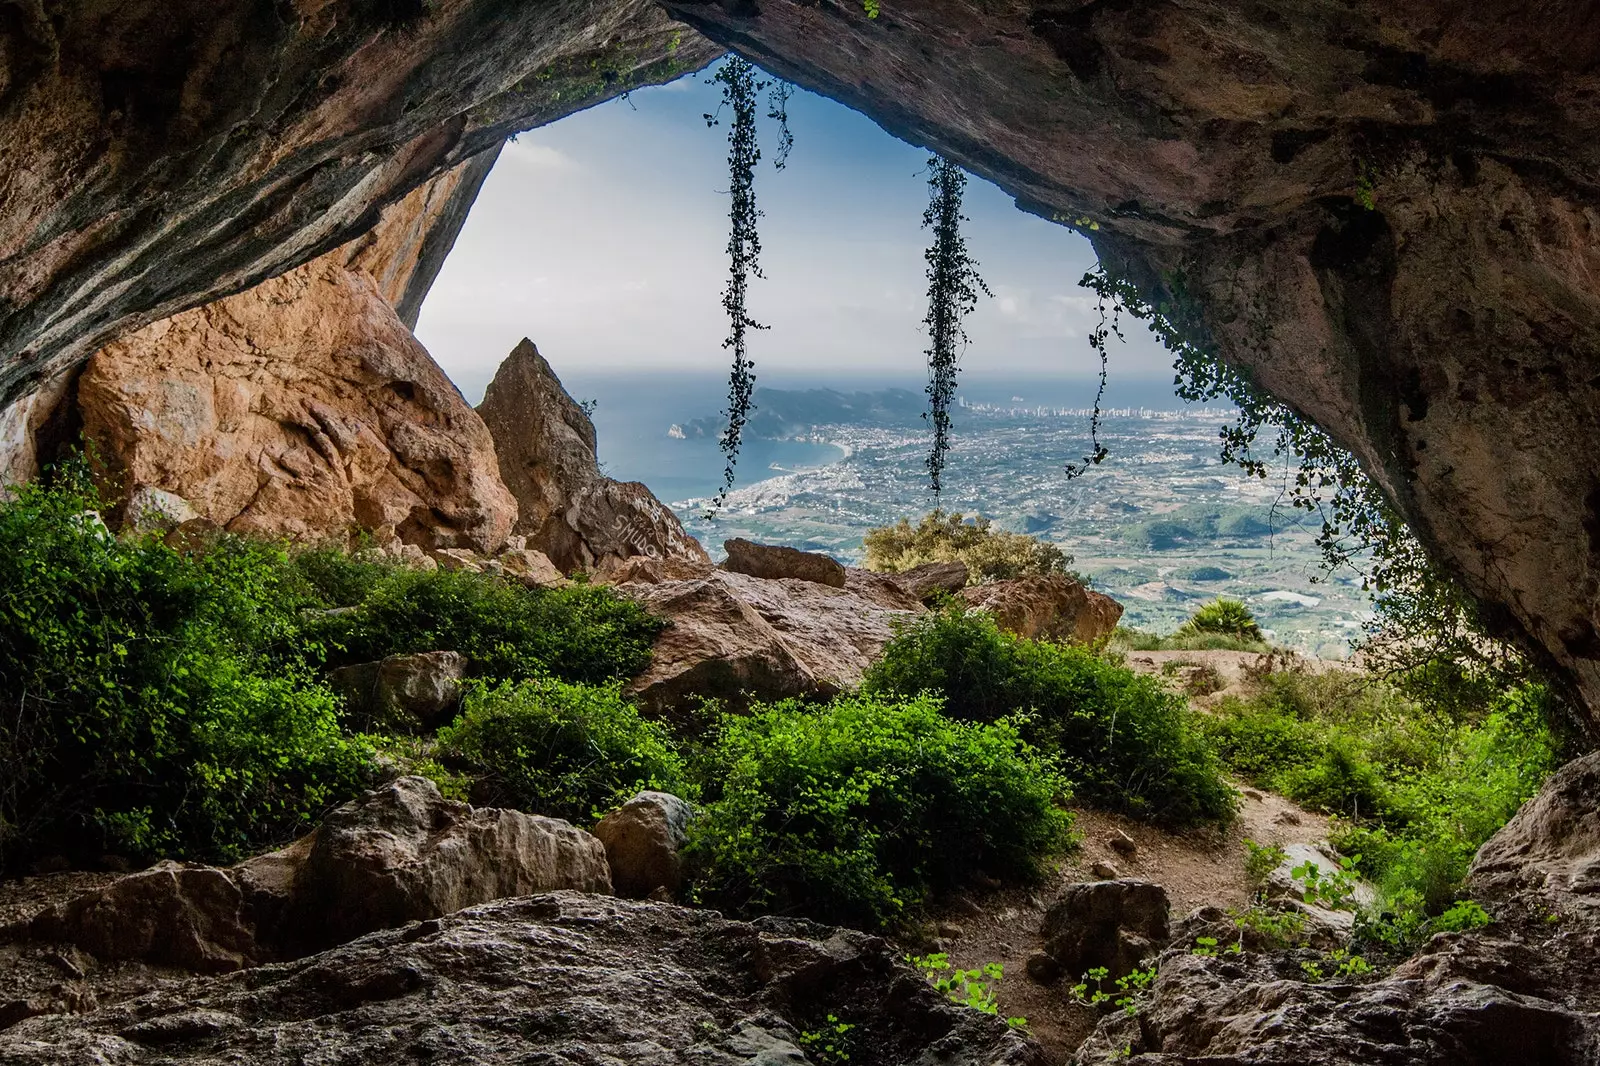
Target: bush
580 633
155 703
1224 617
990 554
857 811
1418 788
565 750
1123 740
1126 638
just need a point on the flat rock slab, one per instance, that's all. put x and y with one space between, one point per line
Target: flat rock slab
554 979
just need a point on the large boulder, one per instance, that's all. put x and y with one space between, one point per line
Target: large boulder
303 407
1114 924
735 637
643 839
1047 607
928 581
773 561
401 853
568 509
1551 846
413 692
557 978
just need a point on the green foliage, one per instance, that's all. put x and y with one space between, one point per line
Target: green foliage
411 756
990 554
1260 860
953 287
1229 618
1332 889
830 1044
977 988
1126 638
583 633
737 76
1124 741
1278 929
1418 787
871 8
155 703
1128 994
856 811
1468 914
565 750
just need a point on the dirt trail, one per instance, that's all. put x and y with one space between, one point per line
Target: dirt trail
1198 868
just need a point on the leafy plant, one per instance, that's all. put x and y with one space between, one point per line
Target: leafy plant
581 633
953 287
856 811
989 554
737 76
1125 742
977 988
1205 946
1128 994
831 1043
1279 929
1333 889
1462 916
564 750
1260 860
156 703
1230 618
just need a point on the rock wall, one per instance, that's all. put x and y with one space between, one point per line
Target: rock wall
1387 213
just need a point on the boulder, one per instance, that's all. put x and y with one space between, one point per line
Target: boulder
554 978
419 691
1114 924
735 637
1047 607
642 839
928 581
301 408
1551 846
533 568
404 853
567 509
776 561
1287 890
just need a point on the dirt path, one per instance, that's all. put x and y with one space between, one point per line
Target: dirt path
1197 869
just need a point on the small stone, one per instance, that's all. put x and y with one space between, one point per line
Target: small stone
457 559
1104 871
1042 968
1122 844
949 931
1251 793
1287 818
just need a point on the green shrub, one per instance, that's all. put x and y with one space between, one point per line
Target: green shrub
990 554
1418 787
580 633
154 703
1224 617
1123 740
856 811
566 750
1124 638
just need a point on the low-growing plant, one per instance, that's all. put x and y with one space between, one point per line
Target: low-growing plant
1333 889
990 554
858 810
565 750
977 988
1461 917
1128 993
1259 862
580 633
830 1044
1124 741
1278 929
1229 618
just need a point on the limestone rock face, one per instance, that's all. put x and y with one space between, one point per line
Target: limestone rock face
1047 607
557 978
1551 846
303 407
1112 923
643 838
777 561
735 637
545 444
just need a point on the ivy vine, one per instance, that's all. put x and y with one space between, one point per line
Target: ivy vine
953 287
740 87
778 111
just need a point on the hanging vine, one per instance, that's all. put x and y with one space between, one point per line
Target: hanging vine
778 111
740 87
953 288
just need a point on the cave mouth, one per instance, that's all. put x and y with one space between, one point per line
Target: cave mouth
602 237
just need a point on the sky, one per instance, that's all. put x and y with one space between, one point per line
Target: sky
602 237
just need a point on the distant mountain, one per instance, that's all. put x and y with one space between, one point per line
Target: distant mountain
781 413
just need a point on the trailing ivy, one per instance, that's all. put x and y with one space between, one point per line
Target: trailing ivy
1424 616
778 111
953 288
737 77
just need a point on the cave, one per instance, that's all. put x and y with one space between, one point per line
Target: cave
1386 216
